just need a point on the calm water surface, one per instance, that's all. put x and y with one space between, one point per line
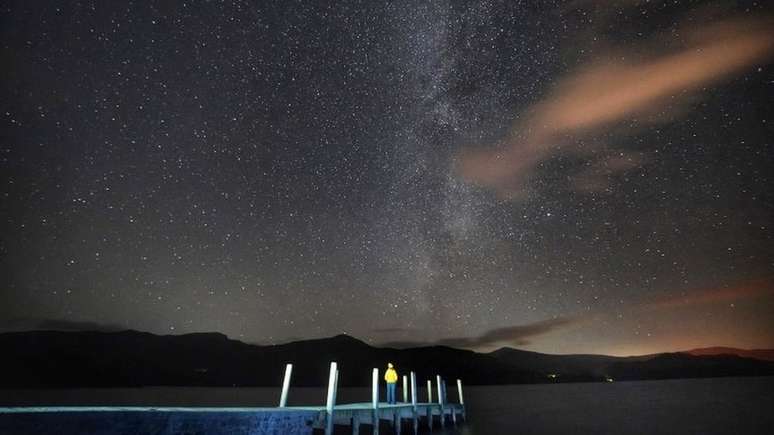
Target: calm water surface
685 406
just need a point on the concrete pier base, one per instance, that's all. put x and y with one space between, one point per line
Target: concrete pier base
161 421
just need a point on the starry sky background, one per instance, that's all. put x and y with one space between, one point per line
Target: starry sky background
285 170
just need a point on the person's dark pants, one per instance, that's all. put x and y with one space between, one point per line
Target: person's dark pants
391 393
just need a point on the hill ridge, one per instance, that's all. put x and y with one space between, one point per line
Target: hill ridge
45 359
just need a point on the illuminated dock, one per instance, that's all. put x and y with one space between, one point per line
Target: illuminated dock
374 412
407 415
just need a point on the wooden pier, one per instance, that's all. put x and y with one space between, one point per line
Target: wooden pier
372 413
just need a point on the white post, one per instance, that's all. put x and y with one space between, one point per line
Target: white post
440 389
414 389
414 402
440 397
331 398
336 387
405 389
429 408
375 400
462 401
286 385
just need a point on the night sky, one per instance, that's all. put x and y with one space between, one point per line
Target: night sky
555 176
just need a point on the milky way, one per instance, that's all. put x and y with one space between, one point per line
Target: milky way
284 170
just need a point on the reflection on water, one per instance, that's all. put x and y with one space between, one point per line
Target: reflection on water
700 406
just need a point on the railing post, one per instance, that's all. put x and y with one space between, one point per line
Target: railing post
414 402
286 385
429 401
375 400
332 377
440 397
462 400
336 387
405 389
414 389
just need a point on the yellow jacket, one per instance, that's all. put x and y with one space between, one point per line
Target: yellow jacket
391 376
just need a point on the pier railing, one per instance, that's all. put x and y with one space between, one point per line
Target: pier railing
356 414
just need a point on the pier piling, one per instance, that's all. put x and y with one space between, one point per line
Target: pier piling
440 398
462 401
286 385
330 402
429 400
375 400
414 413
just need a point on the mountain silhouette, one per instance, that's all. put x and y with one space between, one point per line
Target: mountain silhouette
59 359
764 354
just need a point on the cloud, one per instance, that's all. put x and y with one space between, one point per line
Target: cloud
518 335
737 293
609 91
43 324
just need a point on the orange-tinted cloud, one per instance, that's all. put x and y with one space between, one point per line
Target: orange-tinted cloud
742 291
610 91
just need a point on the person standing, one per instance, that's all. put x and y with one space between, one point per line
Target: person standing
391 377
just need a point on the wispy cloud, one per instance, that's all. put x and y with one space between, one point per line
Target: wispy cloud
598 95
517 335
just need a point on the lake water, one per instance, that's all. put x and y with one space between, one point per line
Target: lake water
685 406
